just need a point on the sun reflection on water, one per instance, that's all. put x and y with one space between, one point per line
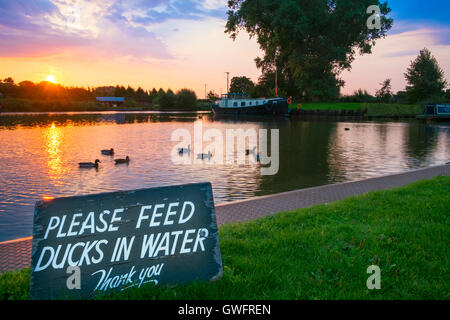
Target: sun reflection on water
53 141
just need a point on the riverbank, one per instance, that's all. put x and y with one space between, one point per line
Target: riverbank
368 110
27 105
322 252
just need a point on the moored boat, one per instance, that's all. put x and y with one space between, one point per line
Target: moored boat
240 104
438 112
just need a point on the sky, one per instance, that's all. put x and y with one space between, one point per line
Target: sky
182 44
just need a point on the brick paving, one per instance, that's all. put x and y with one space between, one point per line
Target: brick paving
16 254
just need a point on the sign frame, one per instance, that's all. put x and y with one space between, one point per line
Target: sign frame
166 235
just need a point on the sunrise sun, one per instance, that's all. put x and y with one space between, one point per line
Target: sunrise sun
51 78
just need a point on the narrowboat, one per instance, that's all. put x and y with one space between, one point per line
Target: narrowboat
438 112
241 104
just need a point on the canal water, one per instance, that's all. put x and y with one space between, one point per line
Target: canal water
39 155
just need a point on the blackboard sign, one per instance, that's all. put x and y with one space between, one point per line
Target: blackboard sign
86 245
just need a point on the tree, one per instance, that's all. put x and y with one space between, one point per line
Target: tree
141 94
153 94
105 91
166 100
9 81
359 95
310 42
186 99
119 91
130 93
400 97
266 85
241 85
384 94
425 78
212 96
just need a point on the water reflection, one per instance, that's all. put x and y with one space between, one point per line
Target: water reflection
40 155
52 138
33 119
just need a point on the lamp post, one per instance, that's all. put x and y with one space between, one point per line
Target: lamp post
276 82
228 74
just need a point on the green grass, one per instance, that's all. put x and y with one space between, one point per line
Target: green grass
380 109
29 105
322 252
373 109
329 106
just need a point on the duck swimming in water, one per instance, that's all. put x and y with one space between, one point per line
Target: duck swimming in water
89 164
126 160
250 151
109 152
204 155
184 150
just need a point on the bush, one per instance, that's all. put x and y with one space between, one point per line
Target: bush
166 100
186 99
359 96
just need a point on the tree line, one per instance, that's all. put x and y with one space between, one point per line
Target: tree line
50 92
310 43
424 77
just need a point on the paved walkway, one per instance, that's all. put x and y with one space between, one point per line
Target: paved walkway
16 254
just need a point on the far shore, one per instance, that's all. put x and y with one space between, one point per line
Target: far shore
327 109
17 105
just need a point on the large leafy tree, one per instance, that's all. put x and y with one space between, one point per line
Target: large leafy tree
309 41
186 99
266 85
166 100
241 85
425 78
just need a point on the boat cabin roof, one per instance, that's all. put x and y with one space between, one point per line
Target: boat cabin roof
437 109
236 95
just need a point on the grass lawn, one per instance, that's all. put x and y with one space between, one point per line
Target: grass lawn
393 109
329 106
373 109
322 252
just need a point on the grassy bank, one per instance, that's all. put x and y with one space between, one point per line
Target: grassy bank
27 105
373 109
322 252
389 110
329 106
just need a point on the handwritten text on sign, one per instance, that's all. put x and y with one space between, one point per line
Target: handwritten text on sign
121 240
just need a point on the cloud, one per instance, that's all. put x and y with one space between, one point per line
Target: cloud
392 56
104 28
25 14
147 13
418 14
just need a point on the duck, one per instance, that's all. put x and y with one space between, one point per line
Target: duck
126 160
248 151
204 155
109 152
184 150
89 164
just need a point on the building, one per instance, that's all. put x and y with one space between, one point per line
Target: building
111 101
